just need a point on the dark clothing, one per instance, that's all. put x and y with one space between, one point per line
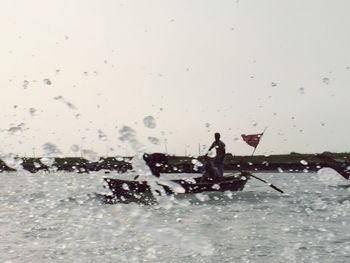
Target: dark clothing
211 173
220 151
220 155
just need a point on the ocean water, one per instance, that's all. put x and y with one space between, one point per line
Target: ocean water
55 217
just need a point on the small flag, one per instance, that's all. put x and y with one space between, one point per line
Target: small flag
252 139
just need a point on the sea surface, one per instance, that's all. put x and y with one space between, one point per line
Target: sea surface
55 217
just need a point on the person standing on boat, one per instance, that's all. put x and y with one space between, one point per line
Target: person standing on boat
220 153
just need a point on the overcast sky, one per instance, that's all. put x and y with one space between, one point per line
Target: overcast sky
74 70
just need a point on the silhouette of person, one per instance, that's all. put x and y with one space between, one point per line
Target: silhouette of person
220 153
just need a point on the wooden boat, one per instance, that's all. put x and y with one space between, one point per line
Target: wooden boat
126 189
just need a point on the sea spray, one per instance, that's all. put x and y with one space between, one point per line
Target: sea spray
51 151
128 135
12 161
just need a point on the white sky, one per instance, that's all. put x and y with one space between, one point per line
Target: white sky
200 61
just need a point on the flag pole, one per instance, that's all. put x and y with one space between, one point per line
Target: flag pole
259 140
260 179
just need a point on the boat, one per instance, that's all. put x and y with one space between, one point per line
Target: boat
132 189
136 190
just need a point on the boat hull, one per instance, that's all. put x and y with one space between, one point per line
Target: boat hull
124 189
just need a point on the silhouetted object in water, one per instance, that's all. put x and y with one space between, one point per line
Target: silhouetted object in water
211 173
156 161
220 153
127 190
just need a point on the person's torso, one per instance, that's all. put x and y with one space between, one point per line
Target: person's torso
220 151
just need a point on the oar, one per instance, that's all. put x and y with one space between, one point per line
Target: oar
271 185
262 180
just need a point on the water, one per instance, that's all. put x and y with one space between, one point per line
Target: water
55 217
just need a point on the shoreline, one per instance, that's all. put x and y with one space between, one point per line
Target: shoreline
293 162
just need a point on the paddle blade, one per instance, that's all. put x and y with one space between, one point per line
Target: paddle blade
276 188
271 185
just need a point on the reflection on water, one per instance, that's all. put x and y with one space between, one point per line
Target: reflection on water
57 217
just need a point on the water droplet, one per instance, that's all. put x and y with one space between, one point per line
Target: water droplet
323 123
25 84
75 148
32 111
50 152
12 161
119 158
16 130
90 155
254 123
216 187
69 104
149 122
303 162
101 135
154 140
326 81
273 84
47 81
202 197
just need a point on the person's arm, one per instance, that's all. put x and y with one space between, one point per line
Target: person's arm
212 146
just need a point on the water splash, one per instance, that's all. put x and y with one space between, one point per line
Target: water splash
69 104
101 135
47 81
326 80
149 122
196 164
75 148
51 151
154 140
90 155
303 162
33 111
128 135
329 176
25 84
12 161
16 130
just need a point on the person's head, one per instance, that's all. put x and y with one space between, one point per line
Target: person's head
217 136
